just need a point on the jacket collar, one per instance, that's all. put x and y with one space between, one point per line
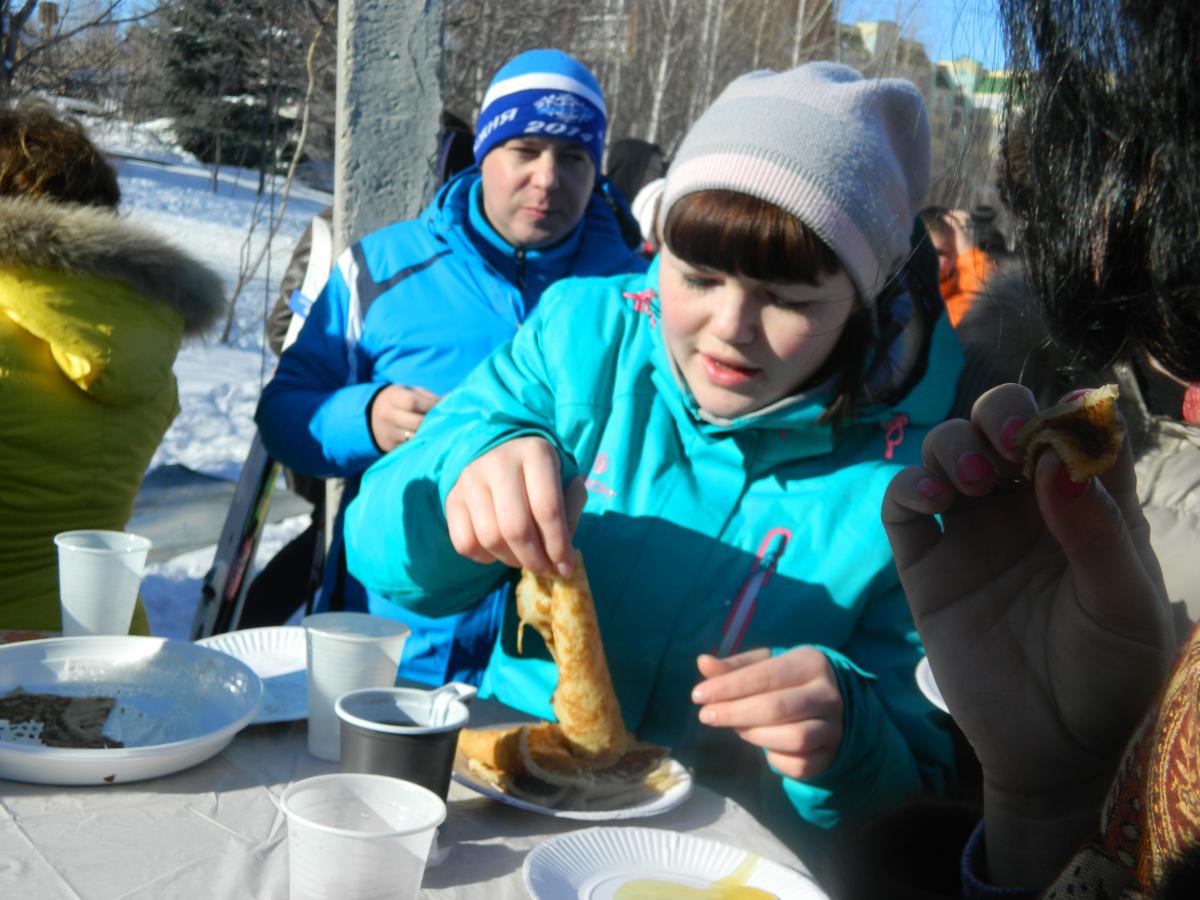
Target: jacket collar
593 247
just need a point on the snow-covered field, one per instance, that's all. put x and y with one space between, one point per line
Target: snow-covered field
219 383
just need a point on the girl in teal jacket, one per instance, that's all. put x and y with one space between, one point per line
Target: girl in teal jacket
721 429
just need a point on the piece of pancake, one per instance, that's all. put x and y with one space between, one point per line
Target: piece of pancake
496 748
584 702
1085 432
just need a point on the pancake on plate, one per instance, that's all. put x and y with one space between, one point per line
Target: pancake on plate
586 760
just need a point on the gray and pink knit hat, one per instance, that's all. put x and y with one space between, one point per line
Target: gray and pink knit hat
848 156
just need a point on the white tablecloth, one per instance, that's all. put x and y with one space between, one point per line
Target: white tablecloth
215 832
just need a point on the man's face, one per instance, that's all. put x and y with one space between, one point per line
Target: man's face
535 189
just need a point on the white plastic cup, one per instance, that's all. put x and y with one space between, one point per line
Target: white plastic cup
346 651
358 837
99 573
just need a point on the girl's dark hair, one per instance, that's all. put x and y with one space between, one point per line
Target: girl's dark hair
1101 173
733 232
47 157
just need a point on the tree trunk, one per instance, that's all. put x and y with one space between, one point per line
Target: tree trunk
801 27
660 79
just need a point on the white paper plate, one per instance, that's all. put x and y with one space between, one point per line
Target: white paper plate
278 656
177 705
928 686
594 864
670 799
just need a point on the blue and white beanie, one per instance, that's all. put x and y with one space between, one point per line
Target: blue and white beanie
542 93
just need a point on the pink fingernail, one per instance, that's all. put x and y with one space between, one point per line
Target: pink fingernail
1066 485
930 488
1010 429
699 696
1074 395
974 467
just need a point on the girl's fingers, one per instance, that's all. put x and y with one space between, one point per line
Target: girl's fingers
757 672
460 522
712 666
815 699
547 508
518 537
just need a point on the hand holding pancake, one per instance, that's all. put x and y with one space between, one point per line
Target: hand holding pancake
789 705
509 505
1042 609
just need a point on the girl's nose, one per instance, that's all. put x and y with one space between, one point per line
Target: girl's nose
733 320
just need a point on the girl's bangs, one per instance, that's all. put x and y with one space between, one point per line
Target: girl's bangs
736 233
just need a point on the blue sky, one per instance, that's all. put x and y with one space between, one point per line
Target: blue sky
947 28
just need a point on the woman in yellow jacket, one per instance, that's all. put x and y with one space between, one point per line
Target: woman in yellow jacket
92 312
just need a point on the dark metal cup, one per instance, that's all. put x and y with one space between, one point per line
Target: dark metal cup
390 731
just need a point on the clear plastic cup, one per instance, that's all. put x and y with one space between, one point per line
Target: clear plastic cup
99 573
346 651
358 837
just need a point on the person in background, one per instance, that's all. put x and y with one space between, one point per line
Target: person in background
409 310
92 313
1042 604
632 164
721 428
962 267
289 580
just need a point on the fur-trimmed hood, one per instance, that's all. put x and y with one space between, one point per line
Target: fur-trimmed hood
95 242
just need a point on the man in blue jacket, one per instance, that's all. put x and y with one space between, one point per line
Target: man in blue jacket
409 310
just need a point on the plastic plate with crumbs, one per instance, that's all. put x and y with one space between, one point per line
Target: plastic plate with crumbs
176 705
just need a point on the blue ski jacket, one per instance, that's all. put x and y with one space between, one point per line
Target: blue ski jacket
418 303
699 536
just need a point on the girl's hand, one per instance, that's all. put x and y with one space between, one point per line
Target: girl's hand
789 705
1044 615
508 505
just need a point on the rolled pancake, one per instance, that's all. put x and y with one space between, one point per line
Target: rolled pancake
496 748
584 702
1086 433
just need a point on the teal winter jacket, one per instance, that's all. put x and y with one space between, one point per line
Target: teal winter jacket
699 536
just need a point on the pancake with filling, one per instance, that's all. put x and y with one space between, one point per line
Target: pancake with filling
1085 432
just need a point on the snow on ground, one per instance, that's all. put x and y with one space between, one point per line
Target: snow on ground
165 189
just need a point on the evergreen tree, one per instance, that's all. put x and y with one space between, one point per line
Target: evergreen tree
229 69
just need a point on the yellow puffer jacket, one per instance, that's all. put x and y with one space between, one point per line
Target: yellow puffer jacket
92 312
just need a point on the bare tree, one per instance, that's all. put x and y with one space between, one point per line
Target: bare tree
24 48
250 261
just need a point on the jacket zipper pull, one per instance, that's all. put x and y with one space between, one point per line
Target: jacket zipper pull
894 436
520 268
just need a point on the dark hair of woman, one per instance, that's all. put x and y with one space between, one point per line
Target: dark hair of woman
739 234
47 157
1102 174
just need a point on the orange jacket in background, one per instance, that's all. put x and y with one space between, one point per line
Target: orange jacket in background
963 285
